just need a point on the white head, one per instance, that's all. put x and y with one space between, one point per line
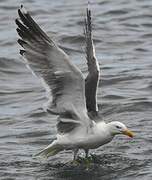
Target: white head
117 127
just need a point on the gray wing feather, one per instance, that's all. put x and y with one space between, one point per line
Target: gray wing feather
91 82
64 80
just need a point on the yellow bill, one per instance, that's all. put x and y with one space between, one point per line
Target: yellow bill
128 133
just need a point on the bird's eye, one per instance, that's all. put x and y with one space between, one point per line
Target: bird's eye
118 127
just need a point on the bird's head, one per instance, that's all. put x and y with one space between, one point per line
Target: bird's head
117 127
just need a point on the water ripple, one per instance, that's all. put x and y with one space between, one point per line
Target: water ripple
122 37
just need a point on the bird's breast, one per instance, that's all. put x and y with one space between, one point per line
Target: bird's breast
83 140
95 140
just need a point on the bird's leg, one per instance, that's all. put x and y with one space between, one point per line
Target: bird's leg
87 159
75 156
86 153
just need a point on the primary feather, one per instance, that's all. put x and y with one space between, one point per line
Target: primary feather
64 80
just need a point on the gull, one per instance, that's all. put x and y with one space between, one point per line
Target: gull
70 96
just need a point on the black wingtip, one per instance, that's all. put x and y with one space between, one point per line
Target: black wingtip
18 31
19 10
19 13
88 12
16 21
22 11
21 42
22 52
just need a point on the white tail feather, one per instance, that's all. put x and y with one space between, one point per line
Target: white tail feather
50 150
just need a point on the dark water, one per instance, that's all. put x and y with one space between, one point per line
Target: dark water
123 39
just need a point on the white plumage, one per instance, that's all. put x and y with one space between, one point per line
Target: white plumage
71 97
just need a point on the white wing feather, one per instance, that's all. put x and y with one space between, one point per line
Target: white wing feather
52 64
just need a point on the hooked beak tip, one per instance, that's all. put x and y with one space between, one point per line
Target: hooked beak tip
128 133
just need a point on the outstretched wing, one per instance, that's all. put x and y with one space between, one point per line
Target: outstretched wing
91 82
64 80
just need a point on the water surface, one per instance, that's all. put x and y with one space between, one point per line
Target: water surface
123 40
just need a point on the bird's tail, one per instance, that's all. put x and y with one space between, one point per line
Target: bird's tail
50 150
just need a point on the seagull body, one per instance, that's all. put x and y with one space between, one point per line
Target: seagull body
78 139
71 97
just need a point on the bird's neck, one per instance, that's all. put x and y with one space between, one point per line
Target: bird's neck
104 128
109 127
